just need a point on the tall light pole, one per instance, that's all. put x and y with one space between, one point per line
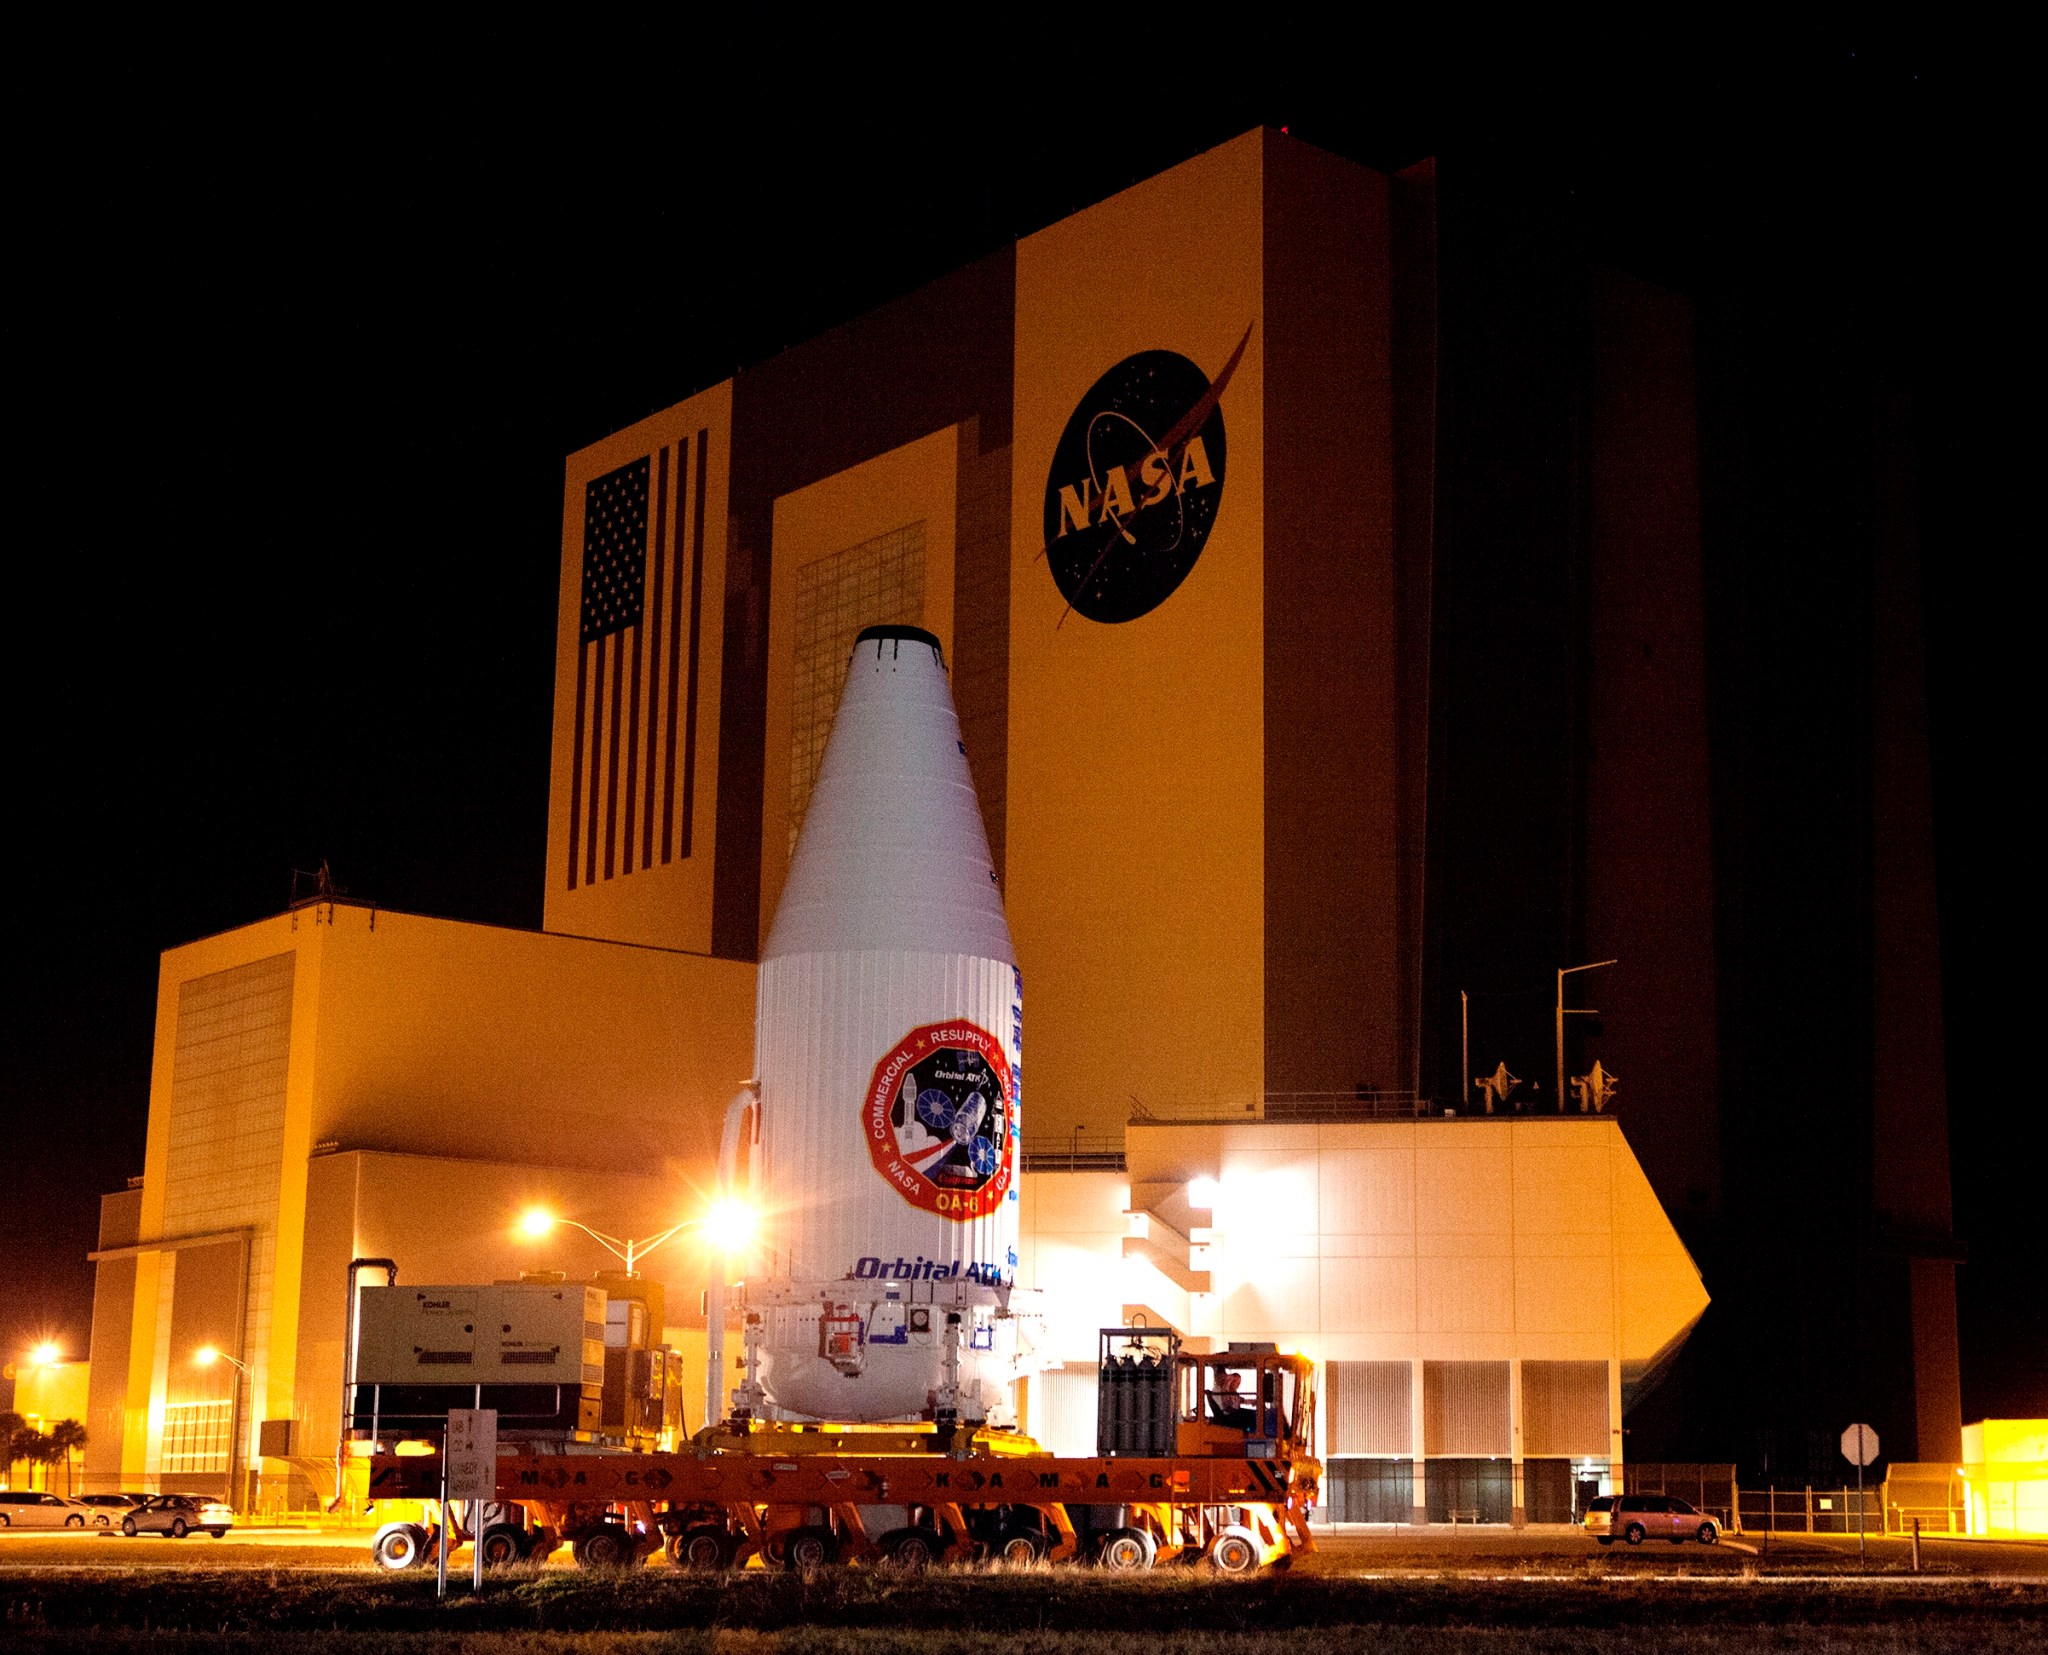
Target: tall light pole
1562 1014
730 1227
1464 1053
205 1357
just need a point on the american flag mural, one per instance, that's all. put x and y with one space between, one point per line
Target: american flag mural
632 787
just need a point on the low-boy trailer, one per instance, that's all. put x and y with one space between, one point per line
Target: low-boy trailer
1200 1457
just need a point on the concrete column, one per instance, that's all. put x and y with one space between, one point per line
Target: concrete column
160 1361
1519 1512
1614 1420
1421 1510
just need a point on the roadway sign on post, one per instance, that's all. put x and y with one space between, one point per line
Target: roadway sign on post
469 1472
472 1453
1859 1448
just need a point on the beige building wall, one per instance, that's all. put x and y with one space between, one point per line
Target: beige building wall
1134 843
1526 1257
352 1028
113 1314
896 509
633 792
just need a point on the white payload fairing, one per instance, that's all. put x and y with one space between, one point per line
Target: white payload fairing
889 1051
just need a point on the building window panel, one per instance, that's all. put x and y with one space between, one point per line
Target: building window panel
880 582
196 1437
1369 1408
1368 1491
226 1150
1464 1408
1564 1408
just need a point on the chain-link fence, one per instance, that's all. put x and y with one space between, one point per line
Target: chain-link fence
1811 1510
1709 1488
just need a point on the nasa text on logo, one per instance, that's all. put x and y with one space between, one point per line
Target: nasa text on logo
939 1122
1135 484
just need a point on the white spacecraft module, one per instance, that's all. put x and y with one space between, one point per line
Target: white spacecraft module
889 1051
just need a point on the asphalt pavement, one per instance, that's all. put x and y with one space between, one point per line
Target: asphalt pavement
1537 1552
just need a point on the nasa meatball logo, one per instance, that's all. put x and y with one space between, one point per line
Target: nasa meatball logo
939 1119
1135 484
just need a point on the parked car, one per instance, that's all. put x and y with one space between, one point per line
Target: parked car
177 1515
1639 1517
107 1509
22 1508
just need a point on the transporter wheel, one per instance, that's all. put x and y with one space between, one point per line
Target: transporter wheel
397 1546
1127 1551
607 1546
1235 1551
179 1529
1708 1534
807 1550
1018 1547
1633 1534
704 1549
502 1546
911 1550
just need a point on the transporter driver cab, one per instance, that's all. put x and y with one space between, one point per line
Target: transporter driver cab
1228 1405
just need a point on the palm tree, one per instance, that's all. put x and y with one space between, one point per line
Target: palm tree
34 1447
68 1437
12 1425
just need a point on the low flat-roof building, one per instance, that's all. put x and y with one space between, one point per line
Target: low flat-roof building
341 1082
1483 1296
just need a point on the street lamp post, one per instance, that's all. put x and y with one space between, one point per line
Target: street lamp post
729 1226
538 1223
205 1356
1562 1014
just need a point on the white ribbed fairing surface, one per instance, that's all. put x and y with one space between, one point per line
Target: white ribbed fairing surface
893 853
889 1048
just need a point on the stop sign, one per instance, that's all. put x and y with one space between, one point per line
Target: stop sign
1859 1445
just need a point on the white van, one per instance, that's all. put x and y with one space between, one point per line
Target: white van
25 1509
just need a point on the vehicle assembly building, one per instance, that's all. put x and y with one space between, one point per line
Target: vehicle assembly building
1159 534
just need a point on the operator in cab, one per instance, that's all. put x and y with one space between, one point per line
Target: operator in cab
1229 1406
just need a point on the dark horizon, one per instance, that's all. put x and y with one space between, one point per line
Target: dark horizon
311 446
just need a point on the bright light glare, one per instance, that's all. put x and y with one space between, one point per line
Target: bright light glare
730 1225
537 1222
1202 1193
205 1356
45 1354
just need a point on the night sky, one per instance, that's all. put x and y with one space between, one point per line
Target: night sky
291 389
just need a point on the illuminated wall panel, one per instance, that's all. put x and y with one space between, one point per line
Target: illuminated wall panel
1465 1408
639 657
1564 1408
1368 1407
223 1167
863 547
1135 836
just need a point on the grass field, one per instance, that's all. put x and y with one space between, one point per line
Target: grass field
986 1612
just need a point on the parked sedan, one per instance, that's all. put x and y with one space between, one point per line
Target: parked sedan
1639 1517
177 1515
22 1508
105 1511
